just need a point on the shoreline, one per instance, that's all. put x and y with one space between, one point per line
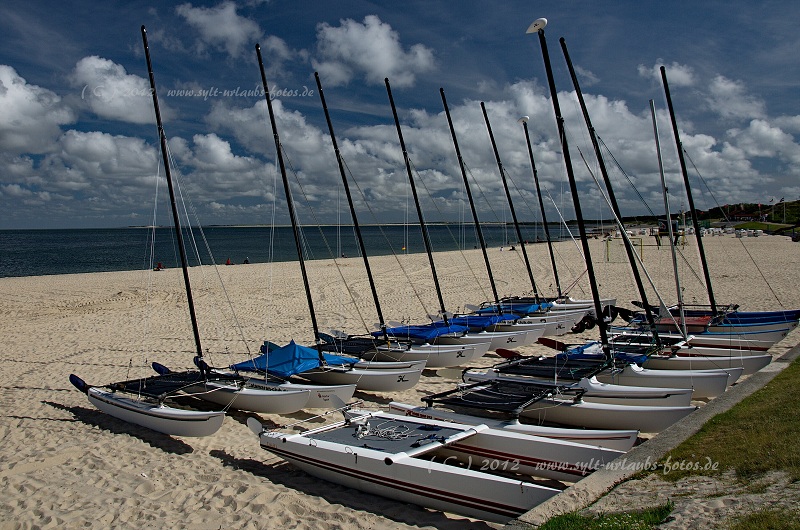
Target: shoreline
64 463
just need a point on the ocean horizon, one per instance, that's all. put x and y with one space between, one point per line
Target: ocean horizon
40 252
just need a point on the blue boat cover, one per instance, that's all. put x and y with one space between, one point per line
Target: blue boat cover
291 359
424 332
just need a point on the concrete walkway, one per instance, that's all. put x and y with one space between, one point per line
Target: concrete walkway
587 491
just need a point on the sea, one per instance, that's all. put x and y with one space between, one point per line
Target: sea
69 251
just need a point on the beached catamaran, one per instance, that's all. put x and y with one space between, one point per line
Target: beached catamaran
142 401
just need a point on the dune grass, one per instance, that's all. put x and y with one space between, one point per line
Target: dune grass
768 518
633 520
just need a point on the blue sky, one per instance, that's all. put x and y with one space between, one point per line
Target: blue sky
78 145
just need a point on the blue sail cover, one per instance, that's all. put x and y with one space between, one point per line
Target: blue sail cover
291 359
424 332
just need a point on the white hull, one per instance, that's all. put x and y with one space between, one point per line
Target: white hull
748 363
321 396
495 339
571 303
619 440
167 420
752 341
413 364
603 392
605 416
556 323
436 355
264 398
370 380
704 384
534 330
404 478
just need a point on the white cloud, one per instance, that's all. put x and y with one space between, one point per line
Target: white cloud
371 49
728 98
677 74
761 139
110 92
221 28
32 115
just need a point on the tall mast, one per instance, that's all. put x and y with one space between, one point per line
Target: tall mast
381 322
538 25
611 196
665 191
688 186
469 196
425 235
175 216
510 202
290 202
524 121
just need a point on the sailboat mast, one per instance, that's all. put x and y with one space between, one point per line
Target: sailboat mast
524 122
469 196
665 191
688 186
611 196
175 216
510 203
290 203
574 192
381 321
425 235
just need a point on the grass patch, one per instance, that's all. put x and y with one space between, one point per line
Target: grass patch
633 520
771 518
756 436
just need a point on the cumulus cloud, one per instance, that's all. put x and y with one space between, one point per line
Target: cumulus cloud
761 139
729 99
221 28
110 92
371 49
32 115
677 74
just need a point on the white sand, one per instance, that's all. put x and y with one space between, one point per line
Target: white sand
64 464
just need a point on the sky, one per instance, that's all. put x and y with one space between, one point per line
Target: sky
79 147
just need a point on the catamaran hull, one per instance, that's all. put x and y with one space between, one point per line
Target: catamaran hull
619 440
759 341
556 323
534 330
167 420
495 339
748 363
436 355
369 380
265 399
415 364
605 416
498 450
603 392
320 396
432 484
705 385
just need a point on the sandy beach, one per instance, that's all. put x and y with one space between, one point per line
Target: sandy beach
64 464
